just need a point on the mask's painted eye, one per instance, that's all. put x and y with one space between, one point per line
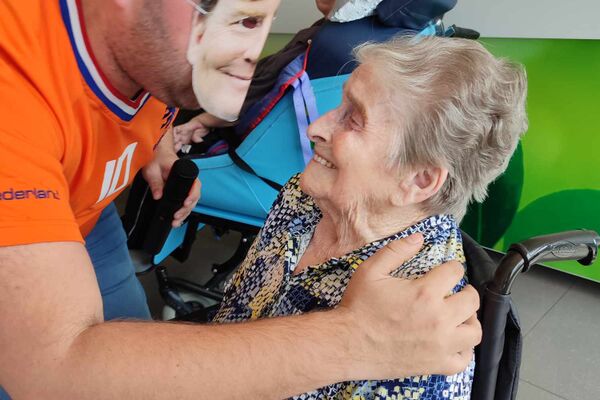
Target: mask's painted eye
250 22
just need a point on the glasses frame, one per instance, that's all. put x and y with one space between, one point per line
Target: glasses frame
197 7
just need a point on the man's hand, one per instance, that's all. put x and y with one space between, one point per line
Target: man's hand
410 327
157 171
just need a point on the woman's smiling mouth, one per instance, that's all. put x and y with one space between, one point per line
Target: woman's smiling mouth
323 161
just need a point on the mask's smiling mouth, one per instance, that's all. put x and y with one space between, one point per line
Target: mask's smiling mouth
323 161
235 76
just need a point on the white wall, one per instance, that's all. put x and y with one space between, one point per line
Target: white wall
575 19
294 15
578 19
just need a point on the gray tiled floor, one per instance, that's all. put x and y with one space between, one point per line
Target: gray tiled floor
559 314
531 392
561 352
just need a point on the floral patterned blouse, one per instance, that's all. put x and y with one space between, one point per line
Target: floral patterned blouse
265 286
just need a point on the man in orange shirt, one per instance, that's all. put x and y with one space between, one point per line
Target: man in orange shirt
84 89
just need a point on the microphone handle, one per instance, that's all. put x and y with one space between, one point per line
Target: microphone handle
177 187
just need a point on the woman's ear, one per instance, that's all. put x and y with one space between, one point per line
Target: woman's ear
197 31
419 185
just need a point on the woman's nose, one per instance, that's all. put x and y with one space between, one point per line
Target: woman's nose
320 130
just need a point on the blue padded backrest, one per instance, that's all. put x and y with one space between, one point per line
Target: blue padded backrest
272 149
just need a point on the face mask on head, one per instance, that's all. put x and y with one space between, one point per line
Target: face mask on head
197 7
213 58
224 48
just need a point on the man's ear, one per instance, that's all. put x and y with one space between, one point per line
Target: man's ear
419 185
196 33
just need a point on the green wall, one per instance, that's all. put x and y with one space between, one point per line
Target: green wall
553 182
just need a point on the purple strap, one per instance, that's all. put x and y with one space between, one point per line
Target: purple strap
305 105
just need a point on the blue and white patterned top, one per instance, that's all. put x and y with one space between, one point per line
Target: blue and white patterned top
265 286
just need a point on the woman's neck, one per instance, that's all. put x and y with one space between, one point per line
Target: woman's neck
340 232
345 230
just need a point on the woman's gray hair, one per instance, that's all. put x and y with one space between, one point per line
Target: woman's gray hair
462 109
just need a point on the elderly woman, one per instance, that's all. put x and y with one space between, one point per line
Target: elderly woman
424 126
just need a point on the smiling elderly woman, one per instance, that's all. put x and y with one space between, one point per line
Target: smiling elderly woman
424 126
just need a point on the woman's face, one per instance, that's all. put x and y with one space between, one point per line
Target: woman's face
351 147
224 49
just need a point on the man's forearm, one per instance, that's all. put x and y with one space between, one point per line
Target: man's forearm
273 358
166 145
53 344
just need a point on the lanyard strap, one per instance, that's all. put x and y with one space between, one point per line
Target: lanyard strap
305 106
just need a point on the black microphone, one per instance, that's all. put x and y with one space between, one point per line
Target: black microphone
181 178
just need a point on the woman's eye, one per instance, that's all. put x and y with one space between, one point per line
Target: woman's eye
250 22
352 120
344 116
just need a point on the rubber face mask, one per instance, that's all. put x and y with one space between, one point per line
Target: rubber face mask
224 48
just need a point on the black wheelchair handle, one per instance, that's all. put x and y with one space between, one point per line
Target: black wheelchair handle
177 187
465 33
580 245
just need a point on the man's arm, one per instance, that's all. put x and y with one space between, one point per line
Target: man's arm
54 343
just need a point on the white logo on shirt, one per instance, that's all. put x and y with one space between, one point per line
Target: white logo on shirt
114 180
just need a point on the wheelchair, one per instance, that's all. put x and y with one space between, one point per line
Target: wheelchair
240 185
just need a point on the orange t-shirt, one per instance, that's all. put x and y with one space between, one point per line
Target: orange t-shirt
69 142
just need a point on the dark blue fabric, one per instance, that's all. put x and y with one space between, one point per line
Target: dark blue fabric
331 49
287 74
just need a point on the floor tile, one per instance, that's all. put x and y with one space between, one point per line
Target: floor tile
536 291
529 392
562 353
